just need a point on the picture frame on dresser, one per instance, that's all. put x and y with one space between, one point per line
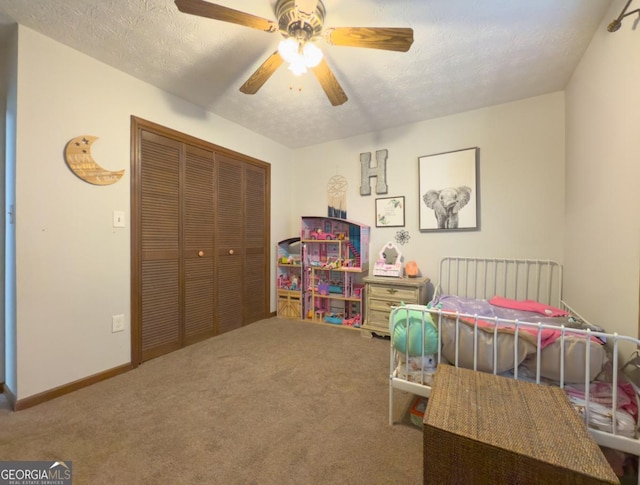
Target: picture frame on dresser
449 191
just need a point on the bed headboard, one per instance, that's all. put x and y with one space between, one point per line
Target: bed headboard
518 279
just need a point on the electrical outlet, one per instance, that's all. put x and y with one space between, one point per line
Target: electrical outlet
117 323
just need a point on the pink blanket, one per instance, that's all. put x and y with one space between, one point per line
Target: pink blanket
602 393
547 335
529 306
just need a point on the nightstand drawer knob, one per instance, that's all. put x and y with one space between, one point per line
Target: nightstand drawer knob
392 291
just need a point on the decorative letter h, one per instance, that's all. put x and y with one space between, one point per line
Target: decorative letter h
379 171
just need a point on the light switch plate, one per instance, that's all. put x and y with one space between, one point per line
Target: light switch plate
118 218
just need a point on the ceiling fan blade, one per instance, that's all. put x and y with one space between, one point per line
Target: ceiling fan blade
329 83
218 12
263 73
390 39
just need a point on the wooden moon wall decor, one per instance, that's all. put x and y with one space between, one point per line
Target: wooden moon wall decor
78 157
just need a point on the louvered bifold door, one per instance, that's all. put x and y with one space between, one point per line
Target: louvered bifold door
159 238
229 242
198 254
255 251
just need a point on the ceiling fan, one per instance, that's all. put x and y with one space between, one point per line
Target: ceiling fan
301 23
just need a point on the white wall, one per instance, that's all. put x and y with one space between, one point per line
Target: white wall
7 47
521 179
10 334
73 268
4 69
603 173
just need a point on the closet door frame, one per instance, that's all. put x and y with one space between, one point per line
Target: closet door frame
138 125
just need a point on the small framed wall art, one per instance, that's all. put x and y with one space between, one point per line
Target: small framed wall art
390 212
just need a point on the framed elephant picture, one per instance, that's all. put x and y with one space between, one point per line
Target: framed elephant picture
449 191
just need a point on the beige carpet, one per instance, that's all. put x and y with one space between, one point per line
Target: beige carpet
276 402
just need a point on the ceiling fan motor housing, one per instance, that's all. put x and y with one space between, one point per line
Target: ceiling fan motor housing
294 23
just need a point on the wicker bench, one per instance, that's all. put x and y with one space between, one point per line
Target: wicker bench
481 429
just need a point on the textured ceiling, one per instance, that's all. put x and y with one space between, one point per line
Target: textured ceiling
467 54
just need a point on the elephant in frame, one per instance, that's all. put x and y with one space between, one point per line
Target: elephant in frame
446 203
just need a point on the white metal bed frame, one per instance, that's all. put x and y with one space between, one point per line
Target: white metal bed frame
519 279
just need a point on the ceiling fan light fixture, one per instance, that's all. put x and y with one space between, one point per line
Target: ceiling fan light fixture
299 56
288 49
312 54
297 67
